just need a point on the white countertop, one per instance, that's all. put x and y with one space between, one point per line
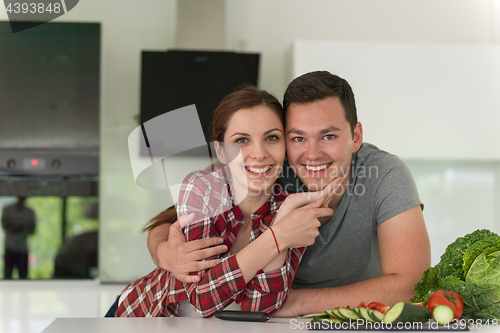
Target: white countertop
191 325
171 325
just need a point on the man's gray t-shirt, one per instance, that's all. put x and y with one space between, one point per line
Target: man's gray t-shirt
346 250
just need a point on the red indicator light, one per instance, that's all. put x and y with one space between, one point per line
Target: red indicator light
33 163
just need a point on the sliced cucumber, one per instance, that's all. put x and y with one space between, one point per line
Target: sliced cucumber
443 314
356 311
376 315
315 315
340 316
335 314
331 320
331 313
406 312
363 313
348 314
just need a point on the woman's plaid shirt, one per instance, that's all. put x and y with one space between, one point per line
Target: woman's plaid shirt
208 195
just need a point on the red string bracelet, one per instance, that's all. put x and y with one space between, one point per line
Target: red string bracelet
275 240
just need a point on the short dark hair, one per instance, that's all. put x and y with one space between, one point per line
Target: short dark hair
315 86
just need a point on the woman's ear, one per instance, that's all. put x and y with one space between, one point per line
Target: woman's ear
219 150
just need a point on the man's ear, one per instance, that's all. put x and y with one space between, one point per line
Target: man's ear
219 150
358 137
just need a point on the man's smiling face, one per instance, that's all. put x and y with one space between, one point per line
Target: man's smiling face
320 142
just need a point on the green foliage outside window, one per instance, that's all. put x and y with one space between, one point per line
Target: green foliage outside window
45 243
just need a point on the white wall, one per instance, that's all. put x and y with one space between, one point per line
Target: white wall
459 197
271 26
201 25
417 100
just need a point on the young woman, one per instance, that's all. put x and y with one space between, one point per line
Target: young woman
238 202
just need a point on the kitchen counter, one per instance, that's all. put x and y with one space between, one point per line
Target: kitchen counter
192 325
170 325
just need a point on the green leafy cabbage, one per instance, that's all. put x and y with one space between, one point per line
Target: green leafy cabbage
486 246
485 269
470 266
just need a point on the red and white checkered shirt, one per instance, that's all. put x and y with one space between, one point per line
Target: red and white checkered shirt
208 195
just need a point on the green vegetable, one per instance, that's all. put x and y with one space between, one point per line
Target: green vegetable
402 312
486 246
376 315
335 314
348 314
474 296
490 312
442 314
314 315
485 269
428 285
470 266
331 320
363 313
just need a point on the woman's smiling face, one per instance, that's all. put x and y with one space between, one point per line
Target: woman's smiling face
259 135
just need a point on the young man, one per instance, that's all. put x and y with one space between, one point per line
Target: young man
374 248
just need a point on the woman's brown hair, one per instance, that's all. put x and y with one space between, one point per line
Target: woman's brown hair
169 215
246 97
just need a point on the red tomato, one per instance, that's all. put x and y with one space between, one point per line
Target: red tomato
450 298
361 305
379 307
